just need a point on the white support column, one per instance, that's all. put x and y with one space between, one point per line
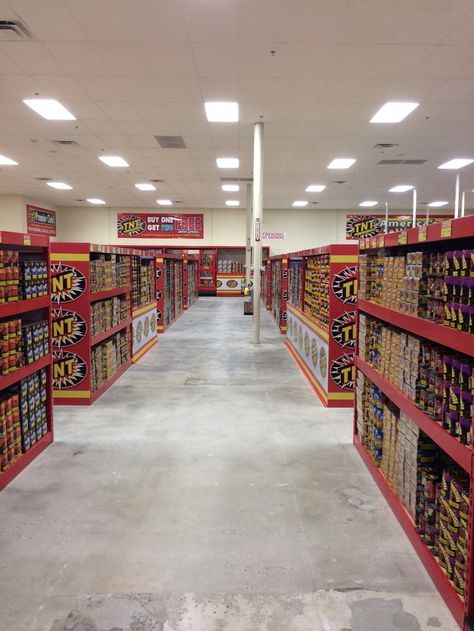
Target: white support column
456 197
463 202
414 208
386 217
248 236
257 226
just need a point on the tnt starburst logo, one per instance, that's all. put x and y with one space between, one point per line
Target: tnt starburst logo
68 328
67 283
69 370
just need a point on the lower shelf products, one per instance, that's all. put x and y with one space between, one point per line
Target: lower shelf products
107 357
22 343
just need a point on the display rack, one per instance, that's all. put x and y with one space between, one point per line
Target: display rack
414 414
207 271
91 293
278 290
170 278
144 308
321 332
190 280
26 408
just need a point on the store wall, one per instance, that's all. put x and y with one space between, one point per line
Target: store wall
13 212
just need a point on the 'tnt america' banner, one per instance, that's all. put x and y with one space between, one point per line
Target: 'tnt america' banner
361 226
160 226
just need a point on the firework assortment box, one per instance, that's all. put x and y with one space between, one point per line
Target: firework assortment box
22 344
108 271
225 266
316 289
33 279
438 380
294 282
433 285
143 280
23 419
105 314
107 357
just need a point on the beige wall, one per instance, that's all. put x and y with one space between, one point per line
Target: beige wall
13 212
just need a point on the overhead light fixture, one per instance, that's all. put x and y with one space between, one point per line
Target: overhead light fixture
315 188
114 161
232 202
227 163
95 200
230 188
393 112
50 109
222 111
400 188
145 186
61 186
437 204
4 161
300 203
341 163
456 163
368 203
164 202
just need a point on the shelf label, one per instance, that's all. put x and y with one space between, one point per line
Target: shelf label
403 237
373 243
422 233
446 228
381 241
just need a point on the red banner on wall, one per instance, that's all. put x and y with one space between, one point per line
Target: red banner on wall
160 226
361 226
40 221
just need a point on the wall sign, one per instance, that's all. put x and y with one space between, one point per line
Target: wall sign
160 226
274 235
361 226
40 221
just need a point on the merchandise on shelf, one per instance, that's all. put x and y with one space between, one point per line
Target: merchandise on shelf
143 281
22 343
294 282
9 275
33 279
192 282
227 266
108 271
108 357
105 314
276 306
316 289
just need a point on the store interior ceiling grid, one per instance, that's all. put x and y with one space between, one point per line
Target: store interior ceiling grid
133 69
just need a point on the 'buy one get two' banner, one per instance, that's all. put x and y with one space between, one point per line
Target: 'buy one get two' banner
160 226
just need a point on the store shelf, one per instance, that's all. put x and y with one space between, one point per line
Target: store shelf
23 306
106 385
143 308
110 293
23 372
100 337
24 460
457 340
457 451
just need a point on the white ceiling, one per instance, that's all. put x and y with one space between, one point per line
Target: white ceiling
132 69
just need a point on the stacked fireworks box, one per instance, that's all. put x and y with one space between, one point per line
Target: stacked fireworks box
9 275
35 341
33 279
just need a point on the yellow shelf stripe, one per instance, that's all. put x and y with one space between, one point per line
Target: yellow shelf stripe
71 394
343 258
324 335
145 309
143 350
67 256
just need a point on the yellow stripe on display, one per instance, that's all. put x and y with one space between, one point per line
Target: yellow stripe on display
146 348
67 256
142 310
343 258
341 396
71 394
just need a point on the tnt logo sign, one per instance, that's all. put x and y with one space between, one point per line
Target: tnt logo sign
343 330
68 328
344 285
158 272
67 283
69 370
343 372
360 226
285 295
130 225
284 316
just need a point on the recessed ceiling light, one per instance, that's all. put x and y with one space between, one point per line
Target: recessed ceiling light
114 161
368 203
50 109
315 188
4 161
400 188
300 203
438 204
145 186
61 186
231 188
95 200
222 111
341 163
164 202
227 163
232 202
456 163
393 112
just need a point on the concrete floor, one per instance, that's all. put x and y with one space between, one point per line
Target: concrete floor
207 491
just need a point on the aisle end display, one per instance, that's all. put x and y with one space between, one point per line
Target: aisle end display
144 310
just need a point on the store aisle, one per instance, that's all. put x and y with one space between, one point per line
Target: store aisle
208 491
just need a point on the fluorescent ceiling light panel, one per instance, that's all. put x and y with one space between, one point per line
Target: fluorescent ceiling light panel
164 202
50 109
437 204
4 161
227 163
456 163
222 111
401 188
368 203
114 161
95 200
145 186
232 202
230 188
393 112
300 203
315 188
341 163
61 186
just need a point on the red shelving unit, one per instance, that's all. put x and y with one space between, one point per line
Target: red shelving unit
27 428
277 290
110 293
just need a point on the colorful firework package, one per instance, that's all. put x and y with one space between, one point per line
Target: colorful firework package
9 275
33 279
22 344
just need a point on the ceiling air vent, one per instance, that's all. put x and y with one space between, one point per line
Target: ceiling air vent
236 179
385 145
389 162
43 179
339 182
171 142
157 181
13 30
66 143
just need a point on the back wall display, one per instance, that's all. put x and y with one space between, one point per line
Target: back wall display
361 226
160 226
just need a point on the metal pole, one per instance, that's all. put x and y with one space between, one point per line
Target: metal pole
257 226
463 202
248 236
414 208
386 217
456 198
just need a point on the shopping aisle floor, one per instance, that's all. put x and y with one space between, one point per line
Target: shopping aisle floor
207 491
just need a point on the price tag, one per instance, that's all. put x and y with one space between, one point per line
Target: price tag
381 240
402 237
373 243
26 240
362 244
446 228
422 233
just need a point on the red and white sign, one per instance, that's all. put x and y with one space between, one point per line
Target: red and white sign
160 226
273 235
40 221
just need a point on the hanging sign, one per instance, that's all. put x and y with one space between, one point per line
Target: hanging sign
361 226
273 235
160 226
40 221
